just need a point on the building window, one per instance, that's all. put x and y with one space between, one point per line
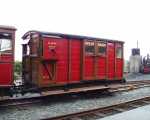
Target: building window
89 47
119 52
101 48
5 43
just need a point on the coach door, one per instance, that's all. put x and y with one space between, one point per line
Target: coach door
119 60
110 60
100 60
89 60
6 59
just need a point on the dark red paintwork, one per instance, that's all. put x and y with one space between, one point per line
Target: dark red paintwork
111 60
66 59
7 56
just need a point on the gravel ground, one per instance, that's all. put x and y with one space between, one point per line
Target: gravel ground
137 76
49 109
38 111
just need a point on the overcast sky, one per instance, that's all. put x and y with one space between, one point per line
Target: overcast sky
125 20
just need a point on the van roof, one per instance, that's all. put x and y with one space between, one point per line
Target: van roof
61 35
7 27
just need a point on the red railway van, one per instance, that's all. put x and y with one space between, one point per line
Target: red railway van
56 59
7 41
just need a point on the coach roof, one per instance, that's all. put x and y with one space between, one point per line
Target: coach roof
67 36
7 27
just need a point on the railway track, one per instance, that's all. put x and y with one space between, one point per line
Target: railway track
21 101
130 85
104 111
112 89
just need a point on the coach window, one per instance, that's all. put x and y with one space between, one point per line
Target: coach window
101 48
119 52
5 43
89 47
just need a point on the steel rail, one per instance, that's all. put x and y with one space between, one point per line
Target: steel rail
104 111
113 88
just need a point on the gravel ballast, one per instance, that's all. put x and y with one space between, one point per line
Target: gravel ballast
44 110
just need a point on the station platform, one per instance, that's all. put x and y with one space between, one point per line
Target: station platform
141 113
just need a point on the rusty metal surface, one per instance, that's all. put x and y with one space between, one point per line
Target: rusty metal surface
75 90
